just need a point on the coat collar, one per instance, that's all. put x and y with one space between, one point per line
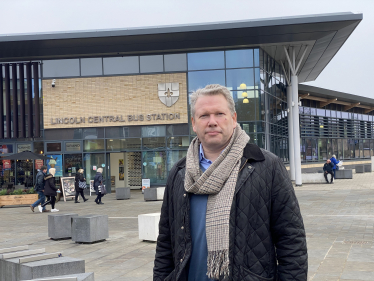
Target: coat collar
253 152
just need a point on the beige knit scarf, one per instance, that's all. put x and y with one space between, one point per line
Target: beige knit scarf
219 181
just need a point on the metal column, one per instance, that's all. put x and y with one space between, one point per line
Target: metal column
7 102
22 126
30 125
15 100
296 129
1 103
35 68
290 133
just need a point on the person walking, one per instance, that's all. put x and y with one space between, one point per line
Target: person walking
80 184
328 168
50 190
98 186
335 162
229 210
39 188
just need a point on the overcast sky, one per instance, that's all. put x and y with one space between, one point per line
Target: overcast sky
349 71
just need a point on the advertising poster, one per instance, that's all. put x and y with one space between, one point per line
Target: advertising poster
146 183
7 164
68 187
56 163
38 164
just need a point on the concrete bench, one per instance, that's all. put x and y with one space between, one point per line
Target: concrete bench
360 169
14 269
89 228
154 194
344 174
367 168
148 226
89 276
123 193
59 225
314 178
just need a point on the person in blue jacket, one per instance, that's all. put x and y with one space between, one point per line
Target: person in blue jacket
335 162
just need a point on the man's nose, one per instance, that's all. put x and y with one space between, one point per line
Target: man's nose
212 120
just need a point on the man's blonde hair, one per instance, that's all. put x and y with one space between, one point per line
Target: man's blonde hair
211 90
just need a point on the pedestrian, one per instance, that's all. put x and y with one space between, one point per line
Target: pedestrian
39 188
328 168
229 210
335 162
80 184
98 186
50 190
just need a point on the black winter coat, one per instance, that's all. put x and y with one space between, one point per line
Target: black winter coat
49 186
267 237
328 167
39 186
78 177
98 180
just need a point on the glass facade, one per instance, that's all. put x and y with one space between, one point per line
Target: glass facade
329 130
258 87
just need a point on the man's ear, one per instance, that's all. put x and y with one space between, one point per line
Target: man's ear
193 124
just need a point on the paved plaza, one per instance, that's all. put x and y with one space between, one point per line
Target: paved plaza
339 221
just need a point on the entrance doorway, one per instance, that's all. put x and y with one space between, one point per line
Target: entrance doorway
125 170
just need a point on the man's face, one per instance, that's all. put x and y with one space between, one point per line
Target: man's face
45 171
328 161
213 122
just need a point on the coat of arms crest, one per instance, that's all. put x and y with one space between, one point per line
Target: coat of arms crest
168 93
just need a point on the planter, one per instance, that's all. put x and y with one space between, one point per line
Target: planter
23 199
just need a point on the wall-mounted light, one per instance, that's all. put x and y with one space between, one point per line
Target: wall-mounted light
244 95
245 101
243 86
53 82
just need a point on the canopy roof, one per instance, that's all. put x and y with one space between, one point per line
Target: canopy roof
324 35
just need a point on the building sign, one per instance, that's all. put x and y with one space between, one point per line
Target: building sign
154 99
38 164
7 164
23 147
73 146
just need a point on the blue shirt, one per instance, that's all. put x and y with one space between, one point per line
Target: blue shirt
199 252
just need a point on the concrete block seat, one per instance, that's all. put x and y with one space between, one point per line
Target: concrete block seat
59 225
148 226
89 228
367 168
123 193
314 178
360 169
344 174
13 270
154 194
89 276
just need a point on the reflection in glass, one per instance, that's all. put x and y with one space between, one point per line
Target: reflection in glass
153 131
174 157
240 79
91 162
73 162
239 58
24 173
178 142
199 79
206 60
153 143
154 166
93 145
256 53
53 146
123 144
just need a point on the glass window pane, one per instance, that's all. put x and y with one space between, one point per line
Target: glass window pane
153 143
200 79
6 148
175 62
93 133
93 145
38 147
246 105
63 134
239 58
113 144
151 64
153 131
53 146
238 79
257 57
91 162
154 166
177 130
174 157
178 142
73 162
131 144
206 60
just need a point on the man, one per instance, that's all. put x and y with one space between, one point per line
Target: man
230 210
39 187
328 169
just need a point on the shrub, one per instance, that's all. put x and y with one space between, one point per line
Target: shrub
3 192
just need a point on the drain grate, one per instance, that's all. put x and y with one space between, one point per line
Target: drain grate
357 242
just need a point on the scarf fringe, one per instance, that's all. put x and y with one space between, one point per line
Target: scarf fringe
218 264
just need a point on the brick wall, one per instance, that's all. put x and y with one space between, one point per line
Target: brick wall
102 100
